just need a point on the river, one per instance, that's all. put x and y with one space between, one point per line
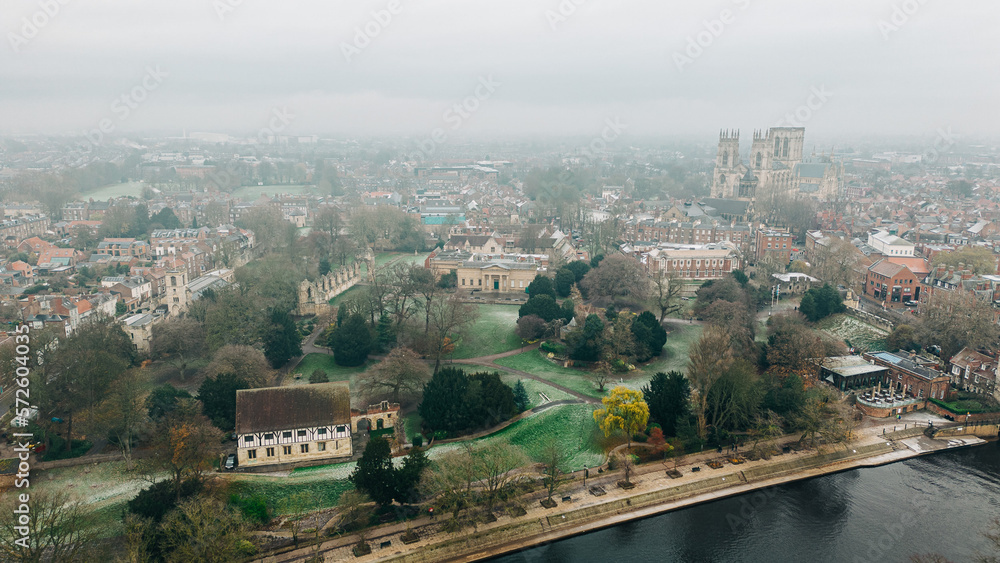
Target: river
939 503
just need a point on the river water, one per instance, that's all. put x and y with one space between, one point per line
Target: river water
939 503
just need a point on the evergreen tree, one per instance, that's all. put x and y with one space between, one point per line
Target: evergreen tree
579 269
565 278
541 285
166 218
808 306
385 333
456 402
650 335
408 476
218 399
521 398
585 342
351 342
668 396
441 407
543 306
568 309
374 474
282 342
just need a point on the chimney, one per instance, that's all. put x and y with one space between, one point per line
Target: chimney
966 274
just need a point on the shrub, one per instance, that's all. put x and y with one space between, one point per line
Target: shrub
155 501
553 347
253 508
640 437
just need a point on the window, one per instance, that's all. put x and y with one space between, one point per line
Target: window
287 450
341 429
268 436
270 452
463 281
251 454
321 446
304 448
321 431
301 433
480 281
287 434
248 439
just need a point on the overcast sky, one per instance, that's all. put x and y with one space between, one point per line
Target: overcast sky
556 67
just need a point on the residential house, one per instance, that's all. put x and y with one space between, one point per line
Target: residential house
975 372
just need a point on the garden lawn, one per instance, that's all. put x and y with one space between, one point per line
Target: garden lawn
681 336
105 193
353 290
252 193
312 362
492 333
854 332
534 363
324 493
534 389
572 426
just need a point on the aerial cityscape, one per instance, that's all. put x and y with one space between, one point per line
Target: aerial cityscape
515 282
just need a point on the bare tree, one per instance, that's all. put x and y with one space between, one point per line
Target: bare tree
179 341
496 464
400 376
708 360
204 529
448 319
666 291
617 276
246 362
124 413
59 530
554 458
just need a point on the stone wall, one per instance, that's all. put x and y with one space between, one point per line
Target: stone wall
315 296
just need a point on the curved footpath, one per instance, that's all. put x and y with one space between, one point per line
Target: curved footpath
654 493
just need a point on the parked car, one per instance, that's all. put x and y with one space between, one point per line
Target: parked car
230 462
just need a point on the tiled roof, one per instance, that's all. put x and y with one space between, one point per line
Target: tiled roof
287 408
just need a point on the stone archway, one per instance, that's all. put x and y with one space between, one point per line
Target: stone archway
362 426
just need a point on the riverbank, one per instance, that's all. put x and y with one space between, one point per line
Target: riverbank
653 494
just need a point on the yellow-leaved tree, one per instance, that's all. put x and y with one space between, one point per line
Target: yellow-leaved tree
623 409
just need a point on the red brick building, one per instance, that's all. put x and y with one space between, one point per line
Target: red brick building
776 244
911 377
891 284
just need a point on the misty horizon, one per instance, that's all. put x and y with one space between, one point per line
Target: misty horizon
521 70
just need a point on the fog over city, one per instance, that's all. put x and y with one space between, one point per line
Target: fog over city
858 67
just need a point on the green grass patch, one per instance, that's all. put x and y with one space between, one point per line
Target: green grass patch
535 389
680 337
411 424
325 362
313 362
324 493
104 193
251 193
492 333
353 290
572 426
534 363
